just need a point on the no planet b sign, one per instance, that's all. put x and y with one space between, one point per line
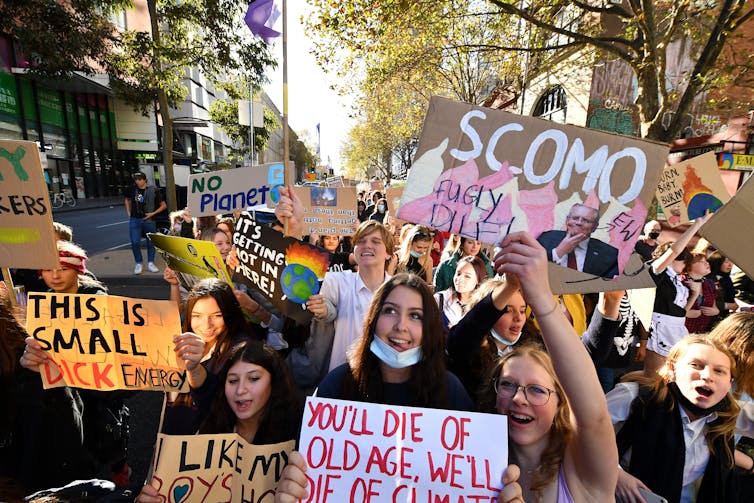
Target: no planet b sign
234 189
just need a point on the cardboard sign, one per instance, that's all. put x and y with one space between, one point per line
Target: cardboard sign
196 468
485 173
359 451
335 181
393 196
643 302
735 161
688 189
727 228
231 189
329 210
284 269
27 239
192 256
105 342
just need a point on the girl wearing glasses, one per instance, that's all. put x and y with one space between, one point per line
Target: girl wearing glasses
559 429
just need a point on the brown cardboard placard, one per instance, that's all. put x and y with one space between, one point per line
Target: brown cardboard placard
328 210
688 189
27 239
220 467
106 342
486 173
726 229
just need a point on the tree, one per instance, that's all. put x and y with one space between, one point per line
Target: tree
63 37
639 33
398 55
205 34
224 113
60 38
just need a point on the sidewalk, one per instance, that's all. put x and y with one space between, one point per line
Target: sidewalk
87 204
120 264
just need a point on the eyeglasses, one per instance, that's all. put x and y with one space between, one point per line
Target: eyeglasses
581 220
536 394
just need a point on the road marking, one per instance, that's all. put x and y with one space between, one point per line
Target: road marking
119 246
108 225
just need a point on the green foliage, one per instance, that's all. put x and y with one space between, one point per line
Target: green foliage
58 37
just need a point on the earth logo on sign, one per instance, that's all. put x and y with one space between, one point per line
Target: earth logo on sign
306 265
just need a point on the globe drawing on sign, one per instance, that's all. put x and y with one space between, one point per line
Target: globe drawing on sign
305 266
700 203
298 283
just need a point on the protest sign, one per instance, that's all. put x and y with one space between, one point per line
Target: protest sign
726 229
192 256
485 173
728 160
227 190
335 181
284 269
358 451
105 342
328 210
223 467
688 189
643 302
27 239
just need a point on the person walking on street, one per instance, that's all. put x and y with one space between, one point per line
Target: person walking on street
142 204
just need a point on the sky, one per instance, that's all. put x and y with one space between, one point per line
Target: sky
310 100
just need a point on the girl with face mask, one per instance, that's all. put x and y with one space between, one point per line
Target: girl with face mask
413 256
456 301
399 360
380 210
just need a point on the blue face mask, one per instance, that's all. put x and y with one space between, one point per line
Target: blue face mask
393 358
381 207
415 253
502 339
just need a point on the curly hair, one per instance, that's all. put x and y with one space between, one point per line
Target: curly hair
561 430
428 377
725 424
282 413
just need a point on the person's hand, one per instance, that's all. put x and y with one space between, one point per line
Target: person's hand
569 244
316 305
522 255
232 259
290 207
149 494
170 276
511 492
693 313
627 490
709 310
293 482
694 287
247 303
189 350
34 355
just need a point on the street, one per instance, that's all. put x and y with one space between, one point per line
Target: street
98 229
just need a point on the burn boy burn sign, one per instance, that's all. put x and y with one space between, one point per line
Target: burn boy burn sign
105 342
373 453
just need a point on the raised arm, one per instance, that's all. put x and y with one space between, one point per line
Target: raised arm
660 263
591 457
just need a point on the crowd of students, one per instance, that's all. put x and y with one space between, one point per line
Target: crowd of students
598 408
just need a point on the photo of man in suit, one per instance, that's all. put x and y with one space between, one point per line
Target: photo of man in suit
576 249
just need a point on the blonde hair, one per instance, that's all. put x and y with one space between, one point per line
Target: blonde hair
561 431
725 425
736 332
